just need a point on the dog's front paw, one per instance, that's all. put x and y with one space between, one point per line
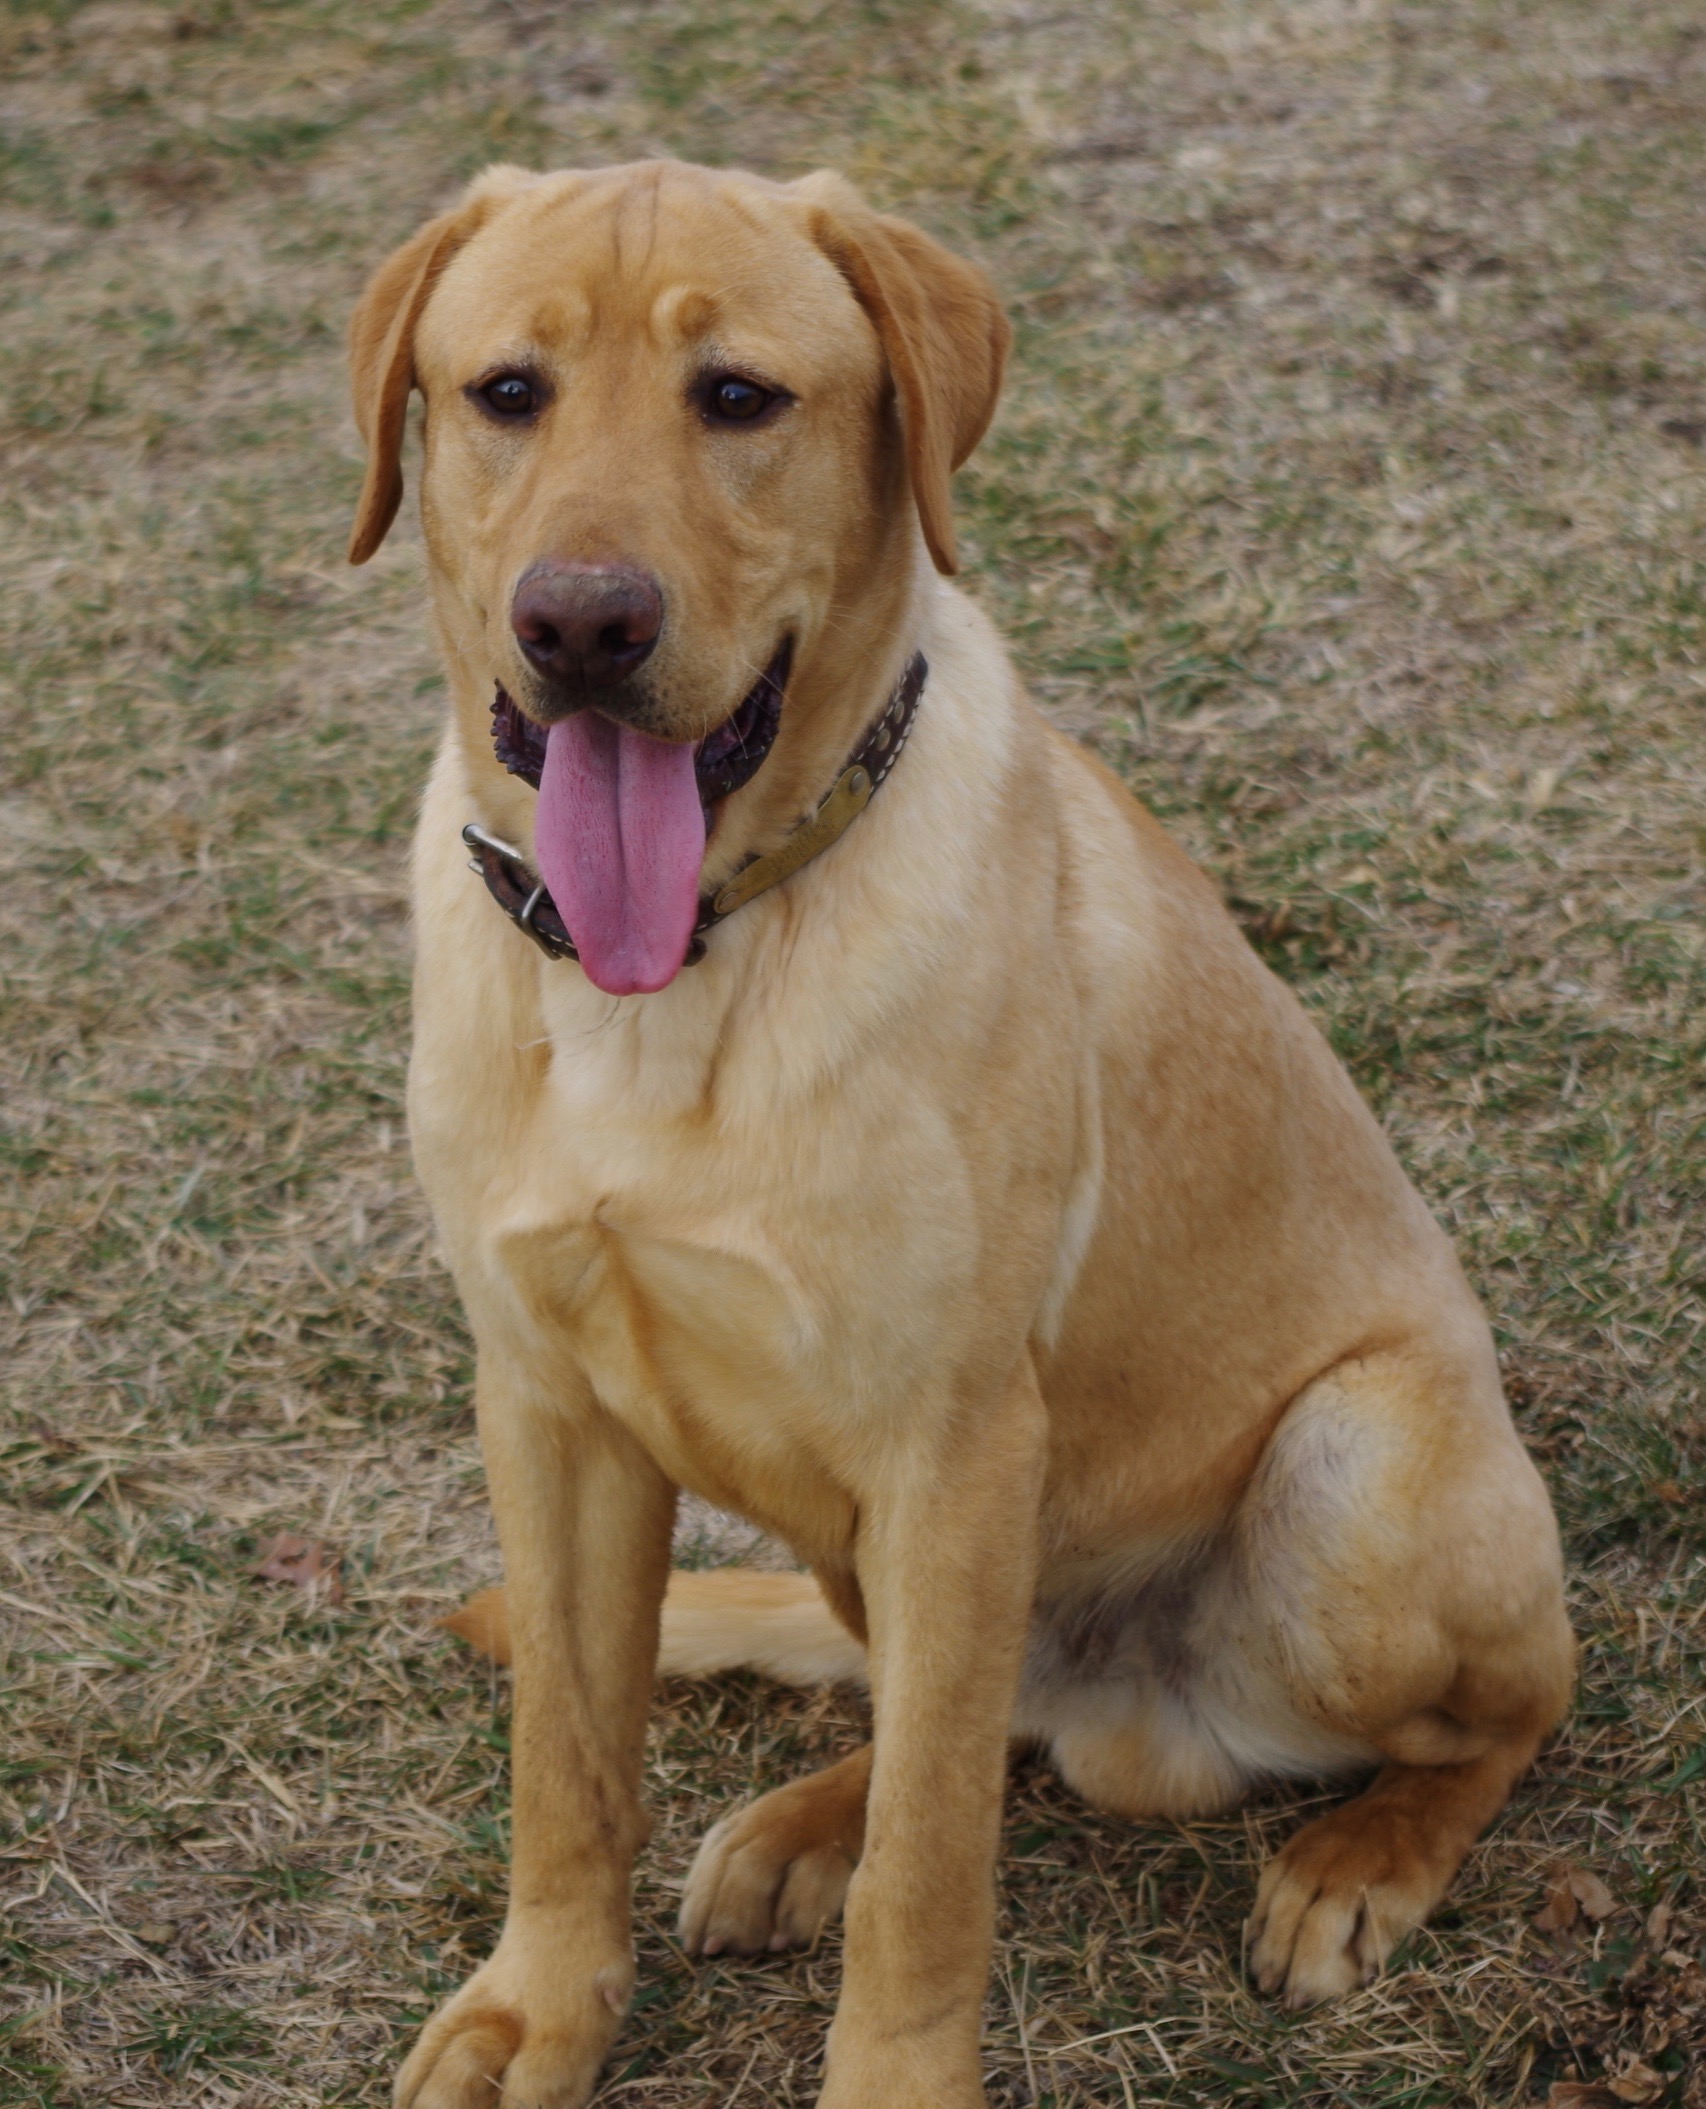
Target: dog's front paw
529 2030
935 2065
770 1876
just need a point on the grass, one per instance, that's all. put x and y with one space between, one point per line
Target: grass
1348 495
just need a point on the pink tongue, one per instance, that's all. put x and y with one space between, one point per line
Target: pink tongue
620 837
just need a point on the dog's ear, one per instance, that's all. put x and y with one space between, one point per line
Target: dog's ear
382 366
382 347
942 331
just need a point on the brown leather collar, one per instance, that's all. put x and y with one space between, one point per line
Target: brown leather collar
522 896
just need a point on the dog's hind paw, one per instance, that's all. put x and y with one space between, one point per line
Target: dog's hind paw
1332 1905
775 1873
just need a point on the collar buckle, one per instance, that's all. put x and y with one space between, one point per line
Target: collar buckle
517 892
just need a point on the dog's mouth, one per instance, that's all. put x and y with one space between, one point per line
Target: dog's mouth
730 754
620 827
734 751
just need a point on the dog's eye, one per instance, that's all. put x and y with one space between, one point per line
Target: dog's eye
510 395
732 401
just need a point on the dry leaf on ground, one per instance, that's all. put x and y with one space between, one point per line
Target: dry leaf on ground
1573 1892
304 1563
1638 2083
1560 1910
1591 1893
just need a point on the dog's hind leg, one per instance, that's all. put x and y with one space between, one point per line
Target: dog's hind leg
1387 1589
1397 1564
774 1874
1339 1897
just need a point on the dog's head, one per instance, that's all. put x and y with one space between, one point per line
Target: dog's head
680 424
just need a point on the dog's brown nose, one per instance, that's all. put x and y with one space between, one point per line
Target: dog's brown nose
585 626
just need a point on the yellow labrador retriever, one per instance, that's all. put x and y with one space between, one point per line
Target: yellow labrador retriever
836 1096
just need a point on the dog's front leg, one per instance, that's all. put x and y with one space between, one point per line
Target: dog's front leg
946 1557
584 1518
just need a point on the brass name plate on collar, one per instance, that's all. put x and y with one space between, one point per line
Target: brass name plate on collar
844 804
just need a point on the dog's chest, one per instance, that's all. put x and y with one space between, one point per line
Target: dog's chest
754 1308
699 1347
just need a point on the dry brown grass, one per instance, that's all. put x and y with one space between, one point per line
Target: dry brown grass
1349 494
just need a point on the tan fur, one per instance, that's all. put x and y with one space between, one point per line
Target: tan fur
731 1618
979 1216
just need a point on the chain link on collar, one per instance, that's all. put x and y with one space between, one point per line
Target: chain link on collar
522 895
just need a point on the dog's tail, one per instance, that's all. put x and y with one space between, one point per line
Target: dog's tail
720 1618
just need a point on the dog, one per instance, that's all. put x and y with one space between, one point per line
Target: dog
837 1097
